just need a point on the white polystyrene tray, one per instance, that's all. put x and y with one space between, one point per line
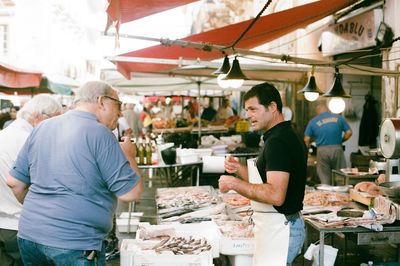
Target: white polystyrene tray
131 255
207 229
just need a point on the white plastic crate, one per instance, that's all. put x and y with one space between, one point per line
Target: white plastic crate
133 255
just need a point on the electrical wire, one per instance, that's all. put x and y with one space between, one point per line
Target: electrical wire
250 25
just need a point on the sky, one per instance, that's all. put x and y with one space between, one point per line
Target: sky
51 36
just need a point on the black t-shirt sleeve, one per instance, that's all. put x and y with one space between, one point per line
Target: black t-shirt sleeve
277 157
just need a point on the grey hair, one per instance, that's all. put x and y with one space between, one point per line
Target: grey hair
41 104
92 90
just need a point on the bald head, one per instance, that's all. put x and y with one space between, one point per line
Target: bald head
321 108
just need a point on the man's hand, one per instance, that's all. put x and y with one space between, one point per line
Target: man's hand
225 182
128 148
231 164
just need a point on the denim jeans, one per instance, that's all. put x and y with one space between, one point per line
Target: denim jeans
34 254
296 238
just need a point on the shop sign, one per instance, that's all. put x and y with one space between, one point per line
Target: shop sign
355 33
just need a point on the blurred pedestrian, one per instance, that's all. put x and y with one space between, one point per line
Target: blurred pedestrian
329 132
12 139
225 110
13 116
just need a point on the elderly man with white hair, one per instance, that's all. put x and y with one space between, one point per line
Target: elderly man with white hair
12 139
69 175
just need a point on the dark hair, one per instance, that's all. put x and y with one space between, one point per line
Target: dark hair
265 93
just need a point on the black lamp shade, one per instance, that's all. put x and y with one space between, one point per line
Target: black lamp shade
224 68
311 86
235 72
384 36
337 89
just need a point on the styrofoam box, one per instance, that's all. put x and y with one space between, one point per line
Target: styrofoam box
241 260
208 230
188 159
122 224
132 255
125 215
203 152
236 246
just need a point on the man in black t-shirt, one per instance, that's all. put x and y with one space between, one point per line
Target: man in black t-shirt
277 188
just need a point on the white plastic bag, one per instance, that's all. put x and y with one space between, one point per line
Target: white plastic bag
330 254
310 252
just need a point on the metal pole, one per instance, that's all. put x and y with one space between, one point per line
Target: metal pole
198 110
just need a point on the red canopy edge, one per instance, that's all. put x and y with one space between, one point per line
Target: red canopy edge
129 10
16 78
267 28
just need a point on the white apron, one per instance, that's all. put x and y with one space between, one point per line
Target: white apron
271 233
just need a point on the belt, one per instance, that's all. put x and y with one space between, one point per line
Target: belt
293 216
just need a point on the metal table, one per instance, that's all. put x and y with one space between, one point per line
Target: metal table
389 235
171 175
341 179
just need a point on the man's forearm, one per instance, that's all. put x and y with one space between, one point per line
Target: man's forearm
18 188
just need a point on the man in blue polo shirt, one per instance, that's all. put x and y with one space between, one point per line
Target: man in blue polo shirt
329 131
69 175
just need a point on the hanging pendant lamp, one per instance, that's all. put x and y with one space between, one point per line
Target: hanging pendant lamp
224 68
235 75
311 91
221 72
336 94
336 89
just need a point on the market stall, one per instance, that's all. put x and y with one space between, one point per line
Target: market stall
189 214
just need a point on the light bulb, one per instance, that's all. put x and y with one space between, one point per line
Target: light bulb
236 83
336 105
311 96
223 83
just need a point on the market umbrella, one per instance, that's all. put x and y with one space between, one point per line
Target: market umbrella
45 86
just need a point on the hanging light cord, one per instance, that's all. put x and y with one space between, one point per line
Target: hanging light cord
250 25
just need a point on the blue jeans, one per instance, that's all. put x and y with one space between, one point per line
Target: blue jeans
296 238
36 254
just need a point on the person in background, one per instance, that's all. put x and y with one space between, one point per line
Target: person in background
131 118
190 110
13 116
12 139
274 183
329 131
209 112
69 175
224 111
145 119
123 129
